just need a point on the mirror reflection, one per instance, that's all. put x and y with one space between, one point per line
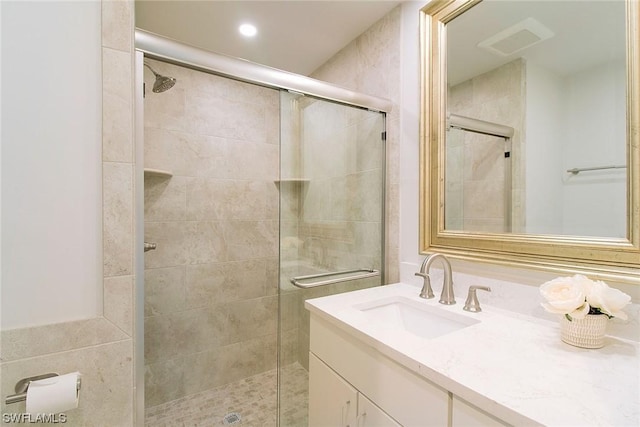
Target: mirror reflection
536 119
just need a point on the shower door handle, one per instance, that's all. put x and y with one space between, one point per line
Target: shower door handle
149 247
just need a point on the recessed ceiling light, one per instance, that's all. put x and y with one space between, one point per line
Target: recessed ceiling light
248 30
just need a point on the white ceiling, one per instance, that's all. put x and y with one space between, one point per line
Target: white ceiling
295 35
586 33
301 35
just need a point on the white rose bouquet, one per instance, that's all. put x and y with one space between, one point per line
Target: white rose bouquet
577 296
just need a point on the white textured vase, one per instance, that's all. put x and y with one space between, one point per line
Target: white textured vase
586 333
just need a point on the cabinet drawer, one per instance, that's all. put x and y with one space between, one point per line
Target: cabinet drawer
370 415
408 398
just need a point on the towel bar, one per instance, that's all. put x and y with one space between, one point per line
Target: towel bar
365 272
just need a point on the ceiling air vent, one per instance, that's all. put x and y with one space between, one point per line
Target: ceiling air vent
520 36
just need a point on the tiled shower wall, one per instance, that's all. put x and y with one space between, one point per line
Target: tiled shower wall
211 284
476 163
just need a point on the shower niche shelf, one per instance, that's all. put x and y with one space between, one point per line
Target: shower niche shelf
292 181
160 173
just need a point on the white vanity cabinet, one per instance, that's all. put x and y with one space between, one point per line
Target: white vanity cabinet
468 377
467 415
332 400
342 369
336 403
369 415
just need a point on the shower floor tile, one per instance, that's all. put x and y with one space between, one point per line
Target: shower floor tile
253 398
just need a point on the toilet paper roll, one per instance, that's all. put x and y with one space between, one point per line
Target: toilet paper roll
53 395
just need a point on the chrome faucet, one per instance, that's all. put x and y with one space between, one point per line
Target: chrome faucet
472 304
446 297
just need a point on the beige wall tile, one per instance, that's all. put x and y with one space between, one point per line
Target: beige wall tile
171 240
164 290
252 161
484 200
186 154
212 199
224 118
117 24
206 370
369 146
117 105
181 333
118 219
209 285
324 199
164 110
272 275
288 347
164 381
118 302
37 341
165 199
251 239
208 242
250 319
157 345
290 306
230 363
303 346
106 396
182 243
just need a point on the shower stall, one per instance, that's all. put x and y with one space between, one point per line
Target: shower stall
262 189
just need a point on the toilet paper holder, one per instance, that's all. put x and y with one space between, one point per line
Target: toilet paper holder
23 385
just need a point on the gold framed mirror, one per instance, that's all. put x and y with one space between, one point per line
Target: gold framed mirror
517 241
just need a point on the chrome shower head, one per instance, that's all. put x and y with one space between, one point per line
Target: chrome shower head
162 83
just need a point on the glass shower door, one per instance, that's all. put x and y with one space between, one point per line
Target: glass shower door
478 182
331 223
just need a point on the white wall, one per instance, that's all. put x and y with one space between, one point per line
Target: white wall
409 128
595 202
51 156
543 150
576 121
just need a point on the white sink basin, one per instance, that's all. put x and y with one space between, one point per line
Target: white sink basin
420 319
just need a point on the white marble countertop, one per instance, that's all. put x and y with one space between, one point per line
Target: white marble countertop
511 365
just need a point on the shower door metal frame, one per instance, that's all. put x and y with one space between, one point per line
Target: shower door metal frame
168 50
138 240
483 127
157 47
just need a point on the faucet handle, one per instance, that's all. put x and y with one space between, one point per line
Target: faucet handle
472 304
426 291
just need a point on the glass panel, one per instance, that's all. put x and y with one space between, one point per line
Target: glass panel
331 223
211 305
477 182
